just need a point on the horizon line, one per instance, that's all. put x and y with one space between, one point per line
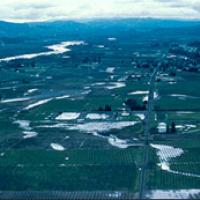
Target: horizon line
100 19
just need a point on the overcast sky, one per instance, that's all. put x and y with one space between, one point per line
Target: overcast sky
42 10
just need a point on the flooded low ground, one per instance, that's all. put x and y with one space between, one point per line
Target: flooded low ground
72 118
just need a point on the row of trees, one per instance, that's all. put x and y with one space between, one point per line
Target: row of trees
132 104
171 128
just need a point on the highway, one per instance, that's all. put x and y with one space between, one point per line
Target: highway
147 123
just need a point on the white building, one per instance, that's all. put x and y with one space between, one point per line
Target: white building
162 127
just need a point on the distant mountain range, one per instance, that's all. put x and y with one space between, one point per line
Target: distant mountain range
105 27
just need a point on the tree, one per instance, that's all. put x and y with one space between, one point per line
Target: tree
100 109
108 108
172 73
173 127
32 64
134 105
168 128
24 81
86 60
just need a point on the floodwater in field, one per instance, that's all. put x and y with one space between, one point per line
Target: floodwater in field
166 154
173 194
54 50
76 113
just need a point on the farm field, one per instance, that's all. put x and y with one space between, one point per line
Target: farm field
74 113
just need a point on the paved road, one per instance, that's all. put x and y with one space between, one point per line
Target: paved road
147 132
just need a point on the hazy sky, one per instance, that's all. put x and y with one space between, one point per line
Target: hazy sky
40 10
